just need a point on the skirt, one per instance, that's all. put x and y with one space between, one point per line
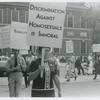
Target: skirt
42 93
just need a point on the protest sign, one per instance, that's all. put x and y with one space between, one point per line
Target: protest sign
14 36
96 48
5 37
18 35
69 46
45 27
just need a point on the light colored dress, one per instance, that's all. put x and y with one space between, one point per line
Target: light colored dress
90 69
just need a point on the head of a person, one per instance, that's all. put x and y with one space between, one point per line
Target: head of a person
15 52
90 54
30 53
99 57
39 52
48 53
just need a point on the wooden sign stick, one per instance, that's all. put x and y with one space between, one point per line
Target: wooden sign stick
42 61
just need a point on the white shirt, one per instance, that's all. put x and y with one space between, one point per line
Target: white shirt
29 59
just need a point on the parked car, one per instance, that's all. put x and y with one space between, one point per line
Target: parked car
3 67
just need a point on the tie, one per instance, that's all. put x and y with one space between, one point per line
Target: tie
16 62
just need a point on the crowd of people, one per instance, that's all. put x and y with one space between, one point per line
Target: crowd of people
82 65
32 67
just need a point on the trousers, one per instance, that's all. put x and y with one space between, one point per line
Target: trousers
15 84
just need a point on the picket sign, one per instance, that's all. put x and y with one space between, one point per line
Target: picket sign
45 25
96 48
14 36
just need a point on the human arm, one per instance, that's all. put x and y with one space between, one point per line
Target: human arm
33 75
57 83
21 64
10 67
35 69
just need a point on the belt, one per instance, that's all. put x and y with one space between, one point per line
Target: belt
15 71
43 89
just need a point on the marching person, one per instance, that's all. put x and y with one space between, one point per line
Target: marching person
97 67
43 86
90 69
70 69
78 65
16 64
29 59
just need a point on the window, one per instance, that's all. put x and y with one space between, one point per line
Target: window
21 16
0 16
83 22
70 33
9 16
83 47
83 34
15 15
70 21
5 16
26 16
56 50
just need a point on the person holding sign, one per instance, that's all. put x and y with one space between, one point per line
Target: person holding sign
16 64
43 76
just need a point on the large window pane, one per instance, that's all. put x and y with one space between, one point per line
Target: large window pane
15 15
70 21
56 50
83 22
21 16
9 16
5 16
26 15
0 15
83 47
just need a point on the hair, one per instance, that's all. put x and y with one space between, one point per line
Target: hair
29 51
15 50
39 50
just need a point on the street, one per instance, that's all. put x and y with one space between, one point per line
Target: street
84 86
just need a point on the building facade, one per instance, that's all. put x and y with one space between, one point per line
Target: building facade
12 11
77 37
75 27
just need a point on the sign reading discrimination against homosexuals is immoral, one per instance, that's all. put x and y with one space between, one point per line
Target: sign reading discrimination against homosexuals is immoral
46 21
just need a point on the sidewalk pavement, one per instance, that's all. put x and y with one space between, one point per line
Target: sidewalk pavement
26 92
81 78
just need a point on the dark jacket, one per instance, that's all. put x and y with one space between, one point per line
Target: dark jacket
97 66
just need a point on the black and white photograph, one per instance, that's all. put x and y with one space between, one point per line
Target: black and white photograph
50 49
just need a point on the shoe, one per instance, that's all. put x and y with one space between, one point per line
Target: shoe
94 78
68 80
75 77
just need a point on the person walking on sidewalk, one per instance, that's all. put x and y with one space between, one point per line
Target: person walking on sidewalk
16 64
43 86
70 69
97 67
90 69
79 66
